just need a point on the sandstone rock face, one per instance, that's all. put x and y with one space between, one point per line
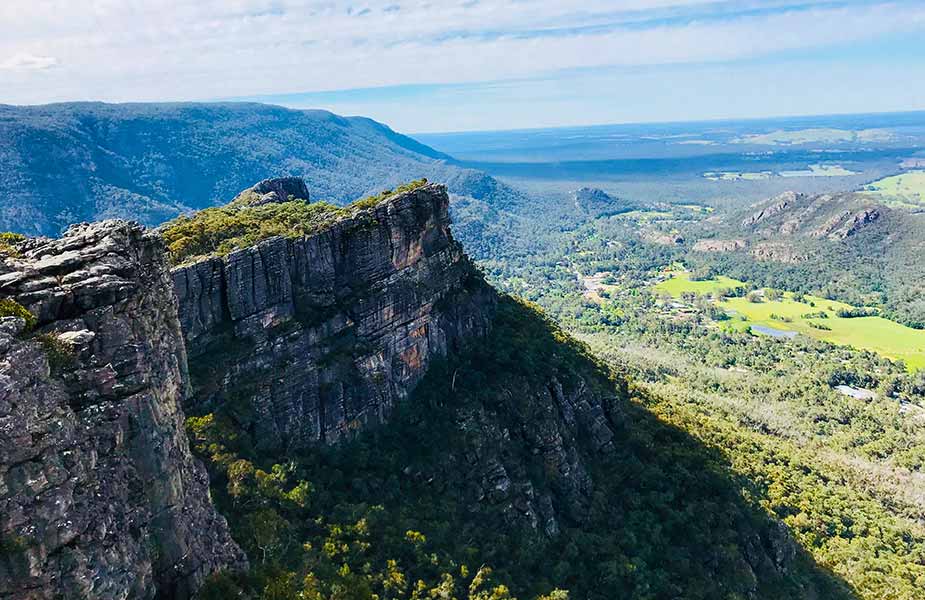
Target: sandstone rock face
320 336
846 223
100 496
779 204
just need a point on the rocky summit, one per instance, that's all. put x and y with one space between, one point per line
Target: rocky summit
100 496
321 335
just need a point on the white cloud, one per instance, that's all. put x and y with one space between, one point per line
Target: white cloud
200 49
28 62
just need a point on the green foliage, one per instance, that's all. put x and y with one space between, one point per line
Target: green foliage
8 241
392 512
857 312
371 201
219 231
224 229
12 308
842 473
60 355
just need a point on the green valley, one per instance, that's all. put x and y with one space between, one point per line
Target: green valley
805 314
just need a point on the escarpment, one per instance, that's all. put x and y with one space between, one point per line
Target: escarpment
100 496
309 340
319 336
506 439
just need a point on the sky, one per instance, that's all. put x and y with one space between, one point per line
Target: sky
460 65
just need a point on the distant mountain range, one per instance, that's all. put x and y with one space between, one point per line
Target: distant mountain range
66 163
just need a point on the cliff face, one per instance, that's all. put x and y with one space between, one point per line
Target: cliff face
100 496
306 341
320 336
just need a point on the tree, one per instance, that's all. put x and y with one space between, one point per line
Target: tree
269 532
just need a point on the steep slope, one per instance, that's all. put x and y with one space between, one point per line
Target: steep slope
66 163
99 494
505 443
375 419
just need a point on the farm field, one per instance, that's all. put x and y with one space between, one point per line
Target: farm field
907 188
681 282
885 337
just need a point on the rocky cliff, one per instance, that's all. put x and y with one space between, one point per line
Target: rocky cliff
515 444
315 337
100 496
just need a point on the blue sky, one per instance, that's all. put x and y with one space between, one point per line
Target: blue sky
430 65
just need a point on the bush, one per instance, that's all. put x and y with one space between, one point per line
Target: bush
815 315
371 201
12 308
60 356
8 241
853 313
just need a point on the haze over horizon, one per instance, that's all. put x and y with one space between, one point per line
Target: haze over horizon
477 65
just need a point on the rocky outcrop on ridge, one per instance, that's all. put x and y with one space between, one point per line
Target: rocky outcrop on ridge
320 336
279 189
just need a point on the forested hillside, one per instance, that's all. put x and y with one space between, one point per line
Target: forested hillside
66 163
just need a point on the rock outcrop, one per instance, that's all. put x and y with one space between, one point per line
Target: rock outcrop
100 496
846 223
719 245
320 336
779 204
279 189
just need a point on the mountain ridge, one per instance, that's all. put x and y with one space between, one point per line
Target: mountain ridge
73 162
519 438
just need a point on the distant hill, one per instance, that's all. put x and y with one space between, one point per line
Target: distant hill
597 202
848 245
65 163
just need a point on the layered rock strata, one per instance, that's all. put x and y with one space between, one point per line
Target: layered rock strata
100 496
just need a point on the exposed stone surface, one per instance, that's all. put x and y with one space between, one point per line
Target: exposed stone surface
778 205
778 251
322 335
268 191
719 245
563 427
846 223
826 217
100 496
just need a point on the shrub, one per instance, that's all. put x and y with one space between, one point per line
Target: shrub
853 313
12 308
371 201
815 315
8 241
60 356
221 230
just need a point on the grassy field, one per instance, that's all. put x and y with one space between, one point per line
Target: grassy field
876 334
681 282
908 188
